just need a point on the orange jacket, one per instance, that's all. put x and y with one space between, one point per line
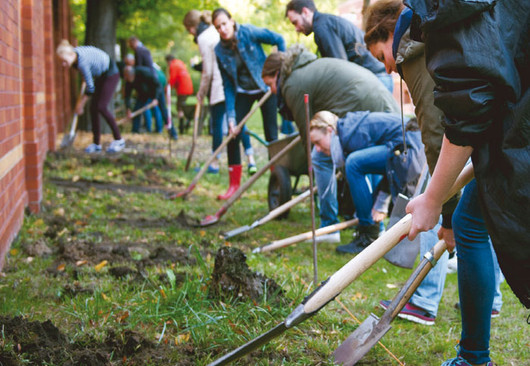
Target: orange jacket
179 77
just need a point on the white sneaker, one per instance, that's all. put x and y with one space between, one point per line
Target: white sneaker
327 238
93 148
452 265
116 146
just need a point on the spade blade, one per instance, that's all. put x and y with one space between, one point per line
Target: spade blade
361 341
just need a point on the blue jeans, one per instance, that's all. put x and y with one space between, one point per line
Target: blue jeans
371 160
326 188
476 276
147 116
218 113
269 115
161 113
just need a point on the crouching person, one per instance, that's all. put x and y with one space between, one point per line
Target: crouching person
368 143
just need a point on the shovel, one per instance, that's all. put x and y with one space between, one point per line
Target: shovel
333 286
270 216
68 138
404 254
277 244
123 120
373 329
204 168
195 132
212 219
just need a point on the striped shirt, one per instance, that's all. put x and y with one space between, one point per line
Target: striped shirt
91 63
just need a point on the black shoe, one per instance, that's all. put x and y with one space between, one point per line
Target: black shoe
367 235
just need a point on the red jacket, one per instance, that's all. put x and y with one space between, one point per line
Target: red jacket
179 78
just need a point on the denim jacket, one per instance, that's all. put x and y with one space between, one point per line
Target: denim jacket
249 40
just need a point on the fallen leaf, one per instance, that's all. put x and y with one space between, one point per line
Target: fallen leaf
202 233
80 263
163 293
59 212
13 251
357 296
99 266
105 297
61 267
181 338
75 178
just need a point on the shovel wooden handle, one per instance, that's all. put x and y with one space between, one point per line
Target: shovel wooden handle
416 277
305 236
224 143
286 206
137 112
258 174
195 132
364 260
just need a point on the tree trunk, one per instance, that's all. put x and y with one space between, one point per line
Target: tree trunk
100 33
101 25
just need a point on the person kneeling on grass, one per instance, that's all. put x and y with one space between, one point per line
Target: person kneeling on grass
368 143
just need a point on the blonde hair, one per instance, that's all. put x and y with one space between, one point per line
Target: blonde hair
322 120
64 47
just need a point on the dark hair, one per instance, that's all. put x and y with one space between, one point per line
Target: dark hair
298 5
220 11
273 64
169 58
380 20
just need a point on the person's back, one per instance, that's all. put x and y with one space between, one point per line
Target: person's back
207 41
339 38
335 85
179 77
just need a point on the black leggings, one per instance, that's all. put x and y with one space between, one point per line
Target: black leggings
105 88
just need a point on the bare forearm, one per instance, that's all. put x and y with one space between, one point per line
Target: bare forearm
450 163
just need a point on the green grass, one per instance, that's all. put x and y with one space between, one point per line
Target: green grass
169 302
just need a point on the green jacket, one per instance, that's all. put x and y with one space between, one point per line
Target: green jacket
332 84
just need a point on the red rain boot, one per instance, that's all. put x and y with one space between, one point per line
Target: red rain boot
234 172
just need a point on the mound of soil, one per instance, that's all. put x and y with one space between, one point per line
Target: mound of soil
42 343
232 279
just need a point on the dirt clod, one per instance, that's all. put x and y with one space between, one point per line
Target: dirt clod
232 279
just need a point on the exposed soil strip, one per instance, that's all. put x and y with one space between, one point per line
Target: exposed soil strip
84 184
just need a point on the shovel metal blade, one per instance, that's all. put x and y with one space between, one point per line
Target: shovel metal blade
237 231
360 341
250 346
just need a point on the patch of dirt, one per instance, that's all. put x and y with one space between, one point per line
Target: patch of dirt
186 220
232 279
37 249
85 184
141 254
43 343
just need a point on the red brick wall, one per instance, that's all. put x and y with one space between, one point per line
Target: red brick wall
28 110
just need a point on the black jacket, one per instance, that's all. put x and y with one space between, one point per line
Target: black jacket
478 55
339 38
145 83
